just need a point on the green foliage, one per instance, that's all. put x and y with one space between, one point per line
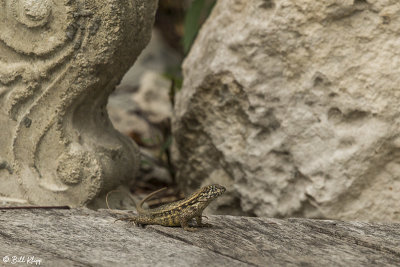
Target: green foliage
165 146
176 84
195 17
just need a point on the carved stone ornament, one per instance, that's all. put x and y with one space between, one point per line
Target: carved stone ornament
59 61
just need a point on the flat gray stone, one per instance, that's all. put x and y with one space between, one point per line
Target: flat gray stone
82 237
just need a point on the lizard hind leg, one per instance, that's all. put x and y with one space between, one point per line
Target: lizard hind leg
132 219
138 220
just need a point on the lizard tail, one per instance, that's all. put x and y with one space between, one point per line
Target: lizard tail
139 207
112 191
117 190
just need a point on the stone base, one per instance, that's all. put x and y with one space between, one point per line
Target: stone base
59 61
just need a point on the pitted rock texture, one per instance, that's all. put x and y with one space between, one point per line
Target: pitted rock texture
293 105
59 61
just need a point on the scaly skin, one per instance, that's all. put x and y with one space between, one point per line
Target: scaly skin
178 213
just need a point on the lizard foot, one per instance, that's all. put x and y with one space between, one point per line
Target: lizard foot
129 219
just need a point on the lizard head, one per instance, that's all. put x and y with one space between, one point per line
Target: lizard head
211 192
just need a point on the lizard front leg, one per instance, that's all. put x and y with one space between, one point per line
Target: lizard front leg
200 223
185 224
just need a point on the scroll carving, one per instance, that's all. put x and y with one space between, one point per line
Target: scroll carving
59 61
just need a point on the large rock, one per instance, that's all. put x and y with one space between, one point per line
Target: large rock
294 105
59 61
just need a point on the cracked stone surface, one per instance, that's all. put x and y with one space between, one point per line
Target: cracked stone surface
59 62
82 237
293 105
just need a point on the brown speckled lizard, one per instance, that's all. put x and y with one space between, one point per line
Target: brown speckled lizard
178 213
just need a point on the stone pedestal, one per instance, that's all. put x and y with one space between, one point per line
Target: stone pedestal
59 61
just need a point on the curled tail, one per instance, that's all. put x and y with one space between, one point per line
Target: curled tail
139 207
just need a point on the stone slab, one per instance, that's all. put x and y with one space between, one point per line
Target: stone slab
82 237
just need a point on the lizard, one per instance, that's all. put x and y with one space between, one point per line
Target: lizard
178 213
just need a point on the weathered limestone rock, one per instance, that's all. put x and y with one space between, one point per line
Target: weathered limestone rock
59 61
294 105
